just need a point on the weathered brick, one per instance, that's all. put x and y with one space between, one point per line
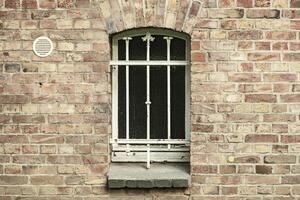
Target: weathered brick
290 98
281 159
226 13
244 77
262 13
263 56
290 138
281 35
260 179
12 4
65 3
262 3
13 180
295 4
291 179
245 35
291 57
255 138
48 4
46 180
259 98
29 4
245 3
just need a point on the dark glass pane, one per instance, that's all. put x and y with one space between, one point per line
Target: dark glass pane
178 47
178 102
137 99
158 48
121 50
158 96
122 101
137 48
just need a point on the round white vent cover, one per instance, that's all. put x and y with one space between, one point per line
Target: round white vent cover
42 46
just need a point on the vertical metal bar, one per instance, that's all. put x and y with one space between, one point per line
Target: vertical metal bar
127 91
168 39
148 38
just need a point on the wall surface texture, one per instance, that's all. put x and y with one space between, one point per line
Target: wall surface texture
55 119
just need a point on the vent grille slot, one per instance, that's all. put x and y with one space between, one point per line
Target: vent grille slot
42 46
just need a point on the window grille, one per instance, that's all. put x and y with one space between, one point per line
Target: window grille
150 96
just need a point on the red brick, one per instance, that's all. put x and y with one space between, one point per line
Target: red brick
280 77
13 139
46 139
295 179
229 190
290 138
259 98
290 98
245 3
295 24
281 35
205 169
202 128
13 180
263 56
280 46
29 159
295 46
247 159
198 57
228 24
264 138
33 119
14 4
262 46
279 118
14 99
29 4
47 4
244 77
263 13
4 119
61 159
291 13
291 57
245 35
295 4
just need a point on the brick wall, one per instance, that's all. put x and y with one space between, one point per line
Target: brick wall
56 111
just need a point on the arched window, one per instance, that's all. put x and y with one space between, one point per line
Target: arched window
150 96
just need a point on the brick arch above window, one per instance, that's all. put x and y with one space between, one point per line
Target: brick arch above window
178 15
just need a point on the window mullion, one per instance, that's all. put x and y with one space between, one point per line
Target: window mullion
127 39
148 38
168 39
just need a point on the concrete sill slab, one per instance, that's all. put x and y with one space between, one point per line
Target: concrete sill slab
160 175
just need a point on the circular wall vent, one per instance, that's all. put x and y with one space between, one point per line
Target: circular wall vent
42 46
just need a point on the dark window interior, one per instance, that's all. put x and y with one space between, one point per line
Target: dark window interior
158 90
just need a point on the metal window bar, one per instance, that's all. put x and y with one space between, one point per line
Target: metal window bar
127 39
127 63
168 39
148 38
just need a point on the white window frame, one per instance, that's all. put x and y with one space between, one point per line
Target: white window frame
140 150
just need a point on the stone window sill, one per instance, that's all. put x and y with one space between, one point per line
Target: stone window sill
160 175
